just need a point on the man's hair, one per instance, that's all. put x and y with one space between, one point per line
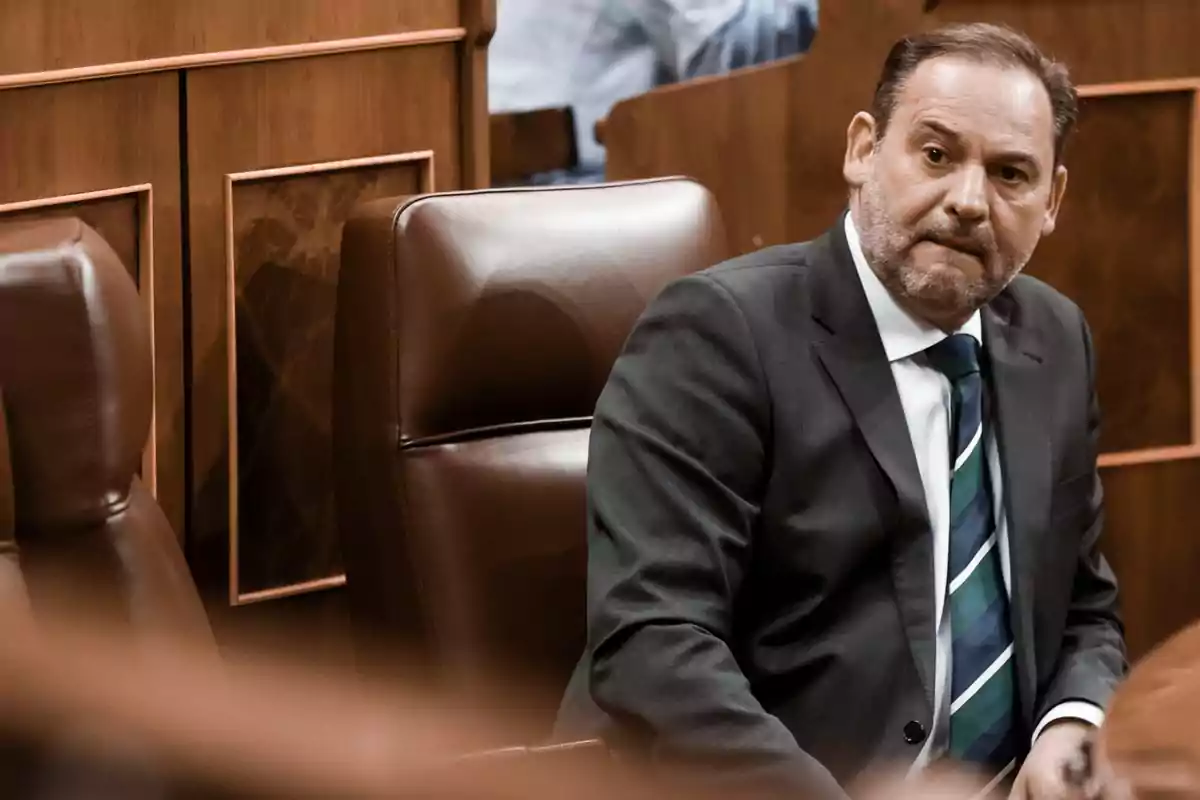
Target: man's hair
982 42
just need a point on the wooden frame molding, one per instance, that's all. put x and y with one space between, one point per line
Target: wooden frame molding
479 16
275 53
1194 259
1167 86
291 590
1151 455
144 193
424 158
1163 86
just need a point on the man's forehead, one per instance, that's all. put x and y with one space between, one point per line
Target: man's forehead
996 98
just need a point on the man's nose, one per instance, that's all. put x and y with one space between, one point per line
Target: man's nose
967 199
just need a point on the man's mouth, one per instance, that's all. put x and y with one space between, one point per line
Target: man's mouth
966 246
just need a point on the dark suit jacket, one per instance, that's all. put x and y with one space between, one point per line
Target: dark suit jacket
760 573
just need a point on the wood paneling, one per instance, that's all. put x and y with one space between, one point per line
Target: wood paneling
243 119
1130 274
1152 545
88 138
40 35
1102 41
283 239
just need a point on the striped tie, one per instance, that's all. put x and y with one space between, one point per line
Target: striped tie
982 707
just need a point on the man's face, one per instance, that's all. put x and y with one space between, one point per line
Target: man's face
951 203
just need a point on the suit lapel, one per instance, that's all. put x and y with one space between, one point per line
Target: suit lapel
1019 389
853 355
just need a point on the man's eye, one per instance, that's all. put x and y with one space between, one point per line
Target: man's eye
935 155
1012 175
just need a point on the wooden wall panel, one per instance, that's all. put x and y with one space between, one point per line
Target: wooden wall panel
284 233
1122 252
109 152
40 35
1103 41
243 119
1152 546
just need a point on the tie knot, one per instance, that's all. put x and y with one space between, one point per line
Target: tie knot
956 356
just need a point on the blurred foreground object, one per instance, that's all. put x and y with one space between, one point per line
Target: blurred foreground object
266 728
256 728
1149 747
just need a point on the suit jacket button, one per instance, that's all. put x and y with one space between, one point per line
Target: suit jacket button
914 732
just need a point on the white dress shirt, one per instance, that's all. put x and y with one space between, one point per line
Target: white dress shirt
926 398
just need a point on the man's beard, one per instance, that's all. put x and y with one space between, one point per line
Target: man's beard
887 246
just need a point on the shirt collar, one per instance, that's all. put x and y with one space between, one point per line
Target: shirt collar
903 335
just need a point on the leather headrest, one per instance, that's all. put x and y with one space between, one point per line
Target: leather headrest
75 367
513 304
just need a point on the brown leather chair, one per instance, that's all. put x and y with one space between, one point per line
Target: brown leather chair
76 378
475 331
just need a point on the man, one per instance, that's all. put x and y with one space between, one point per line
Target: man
591 54
843 498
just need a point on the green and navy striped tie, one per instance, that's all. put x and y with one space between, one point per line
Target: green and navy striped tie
982 674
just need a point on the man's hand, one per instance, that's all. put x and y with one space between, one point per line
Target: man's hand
1057 755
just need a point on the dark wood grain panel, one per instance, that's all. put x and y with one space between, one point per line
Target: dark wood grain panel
303 111
286 239
1150 539
98 136
39 35
1122 252
1103 41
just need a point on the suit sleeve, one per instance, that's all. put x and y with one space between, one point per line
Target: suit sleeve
1092 660
678 459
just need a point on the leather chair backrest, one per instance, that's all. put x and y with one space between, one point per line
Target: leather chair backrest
77 380
475 331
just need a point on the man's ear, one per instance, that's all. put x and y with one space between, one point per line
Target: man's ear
860 146
1058 188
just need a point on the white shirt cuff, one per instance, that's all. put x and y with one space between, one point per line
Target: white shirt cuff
1072 709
